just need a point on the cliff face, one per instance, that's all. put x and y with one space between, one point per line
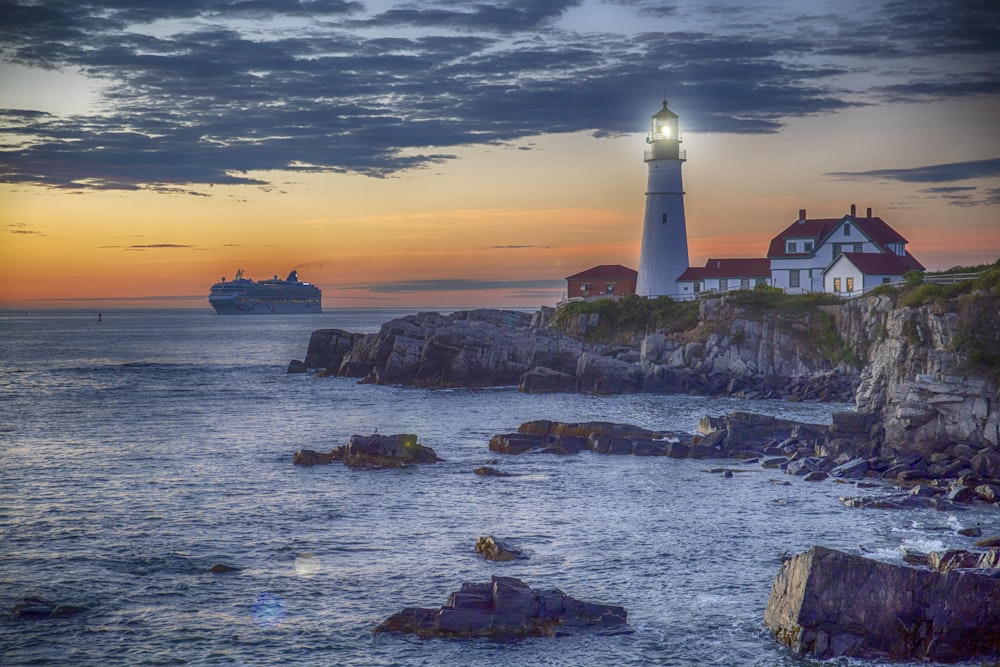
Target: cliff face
917 379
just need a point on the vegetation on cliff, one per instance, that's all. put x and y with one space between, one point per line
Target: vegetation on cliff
631 315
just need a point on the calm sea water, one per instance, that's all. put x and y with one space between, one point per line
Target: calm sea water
137 452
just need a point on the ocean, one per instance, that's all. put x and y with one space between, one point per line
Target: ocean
138 451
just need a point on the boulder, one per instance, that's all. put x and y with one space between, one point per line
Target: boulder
326 350
493 548
505 609
827 603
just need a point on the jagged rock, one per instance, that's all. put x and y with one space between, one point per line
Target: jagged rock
546 436
327 348
971 532
747 431
989 542
308 457
296 366
507 609
953 559
815 477
493 548
32 608
386 451
542 380
827 603
986 464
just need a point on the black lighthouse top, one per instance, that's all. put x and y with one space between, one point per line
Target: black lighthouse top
664 136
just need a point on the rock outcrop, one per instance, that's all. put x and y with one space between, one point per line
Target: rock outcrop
506 609
33 608
494 548
827 603
548 437
372 451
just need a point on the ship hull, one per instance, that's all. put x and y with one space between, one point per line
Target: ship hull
265 307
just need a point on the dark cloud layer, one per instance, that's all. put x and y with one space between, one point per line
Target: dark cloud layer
332 86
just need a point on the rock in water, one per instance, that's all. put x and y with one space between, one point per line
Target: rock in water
493 548
827 603
505 609
38 608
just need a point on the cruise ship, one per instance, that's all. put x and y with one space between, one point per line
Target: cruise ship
243 296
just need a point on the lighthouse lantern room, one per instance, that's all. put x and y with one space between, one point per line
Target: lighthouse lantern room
664 254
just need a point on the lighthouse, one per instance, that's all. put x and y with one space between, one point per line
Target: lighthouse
664 255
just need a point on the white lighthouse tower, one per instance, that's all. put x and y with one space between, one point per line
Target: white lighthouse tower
664 255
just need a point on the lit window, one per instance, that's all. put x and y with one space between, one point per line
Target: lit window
850 284
836 284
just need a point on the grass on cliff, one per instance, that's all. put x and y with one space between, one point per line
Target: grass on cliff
764 297
632 314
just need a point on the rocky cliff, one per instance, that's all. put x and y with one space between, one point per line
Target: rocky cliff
926 368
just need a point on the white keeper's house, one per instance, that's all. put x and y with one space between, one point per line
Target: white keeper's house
844 255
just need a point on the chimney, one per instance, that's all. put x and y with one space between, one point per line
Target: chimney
869 212
802 214
853 210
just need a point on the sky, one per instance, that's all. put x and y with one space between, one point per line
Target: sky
459 154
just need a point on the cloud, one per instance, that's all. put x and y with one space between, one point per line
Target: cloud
21 228
517 247
462 284
935 173
224 91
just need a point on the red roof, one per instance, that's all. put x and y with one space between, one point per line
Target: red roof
730 268
606 272
885 264
818 229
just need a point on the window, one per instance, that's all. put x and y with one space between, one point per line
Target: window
859 247
585 288
836 284
808 246
791 246
664 217
744 283
838 248
697 286
847 230
793 278
886 280
723 283
611 288
850 284
760 282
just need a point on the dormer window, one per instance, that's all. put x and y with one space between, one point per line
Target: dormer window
808 246
791 246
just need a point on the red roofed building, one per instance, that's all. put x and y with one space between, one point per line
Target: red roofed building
804 255
606 280
723 275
